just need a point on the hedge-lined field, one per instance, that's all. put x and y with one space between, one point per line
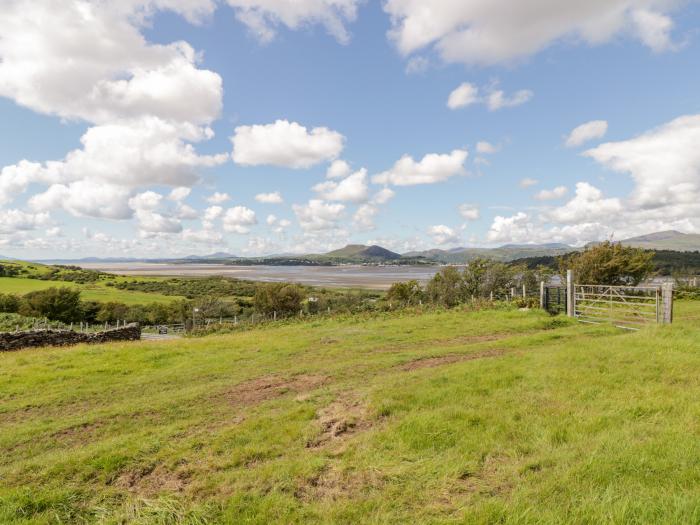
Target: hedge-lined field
441 417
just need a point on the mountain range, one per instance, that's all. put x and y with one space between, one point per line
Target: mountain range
360 254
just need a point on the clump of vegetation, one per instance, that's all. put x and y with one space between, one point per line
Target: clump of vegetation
278 298
609 263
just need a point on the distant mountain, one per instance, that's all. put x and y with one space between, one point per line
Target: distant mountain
360 252
506 253
666 240
217 255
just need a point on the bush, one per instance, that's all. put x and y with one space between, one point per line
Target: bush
9 303
609 263
57 304
405 293
282 298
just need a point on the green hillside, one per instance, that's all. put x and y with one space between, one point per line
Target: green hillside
361 252
668 240
442 417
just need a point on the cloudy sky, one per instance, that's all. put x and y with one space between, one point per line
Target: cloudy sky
170 127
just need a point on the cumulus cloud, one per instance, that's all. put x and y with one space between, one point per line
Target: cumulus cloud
467 94
486 32
85 199
179 194
285 144
239 219
204 236
664 163
14 221
212 213
442 235
486 148
553 194
270 198
469 212
318 215
464 95
263 17
338 169
218 198
595 129
430 169
353 188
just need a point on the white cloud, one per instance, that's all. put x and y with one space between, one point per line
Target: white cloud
528 182
318 215
664 163
218 198
148 200
467 94
153 222
263 17
469 212
186 213
84 198
271 220
239 219
595 129
353 188
212 213
339 169
442 235
179 194
14 221
487 32
383 196
363 218
549 195
498 99
588 204
464 95
486 148
88 60
430 169
285 144
270 198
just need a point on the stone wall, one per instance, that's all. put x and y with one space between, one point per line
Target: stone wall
18 340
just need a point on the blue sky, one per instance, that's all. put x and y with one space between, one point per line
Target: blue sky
120 121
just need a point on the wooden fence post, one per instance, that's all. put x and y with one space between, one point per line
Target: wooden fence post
542 295
667 296
524 292
570 294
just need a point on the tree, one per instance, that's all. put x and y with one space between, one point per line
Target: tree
609 263
58 304
112 312
9 303
278 297
405 293
446 287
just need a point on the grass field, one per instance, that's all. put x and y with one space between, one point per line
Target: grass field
442 417
89 292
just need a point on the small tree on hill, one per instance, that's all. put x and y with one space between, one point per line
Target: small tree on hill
278 297
446 287
57 304
609 263
405 293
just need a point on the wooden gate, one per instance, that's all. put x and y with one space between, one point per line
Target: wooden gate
630 307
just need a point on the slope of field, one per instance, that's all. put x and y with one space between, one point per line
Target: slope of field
494 416
89 292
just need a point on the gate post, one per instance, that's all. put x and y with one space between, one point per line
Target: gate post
570 294
667 296
542 295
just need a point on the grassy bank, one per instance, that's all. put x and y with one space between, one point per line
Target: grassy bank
444 417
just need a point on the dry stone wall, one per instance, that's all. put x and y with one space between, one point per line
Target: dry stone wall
37 338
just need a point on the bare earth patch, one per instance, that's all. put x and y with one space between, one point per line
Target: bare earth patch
152 481
265 388
431 362
340 419
333 484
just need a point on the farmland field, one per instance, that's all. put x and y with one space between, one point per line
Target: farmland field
422 417
89 292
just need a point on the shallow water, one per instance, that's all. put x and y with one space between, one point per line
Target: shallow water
348 276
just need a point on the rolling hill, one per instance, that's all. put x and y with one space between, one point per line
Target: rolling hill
360 252
666 240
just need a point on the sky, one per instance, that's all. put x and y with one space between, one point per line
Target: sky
157 128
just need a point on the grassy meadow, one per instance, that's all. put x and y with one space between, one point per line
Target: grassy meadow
97 291
436 417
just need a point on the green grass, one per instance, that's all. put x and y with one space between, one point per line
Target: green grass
549 422
89 292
